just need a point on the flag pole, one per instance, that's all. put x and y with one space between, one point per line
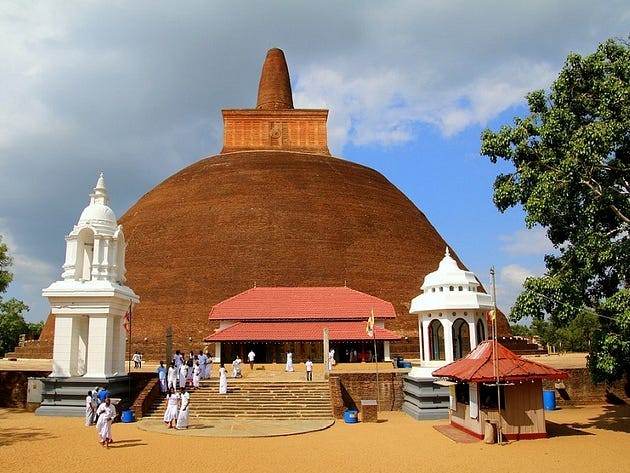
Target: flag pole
495 355
376 361
129 339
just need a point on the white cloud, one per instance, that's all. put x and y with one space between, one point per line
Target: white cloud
523 242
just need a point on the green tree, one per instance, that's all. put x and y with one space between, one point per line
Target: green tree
571 176
12 323
520 330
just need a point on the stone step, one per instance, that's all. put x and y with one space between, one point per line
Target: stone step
257 399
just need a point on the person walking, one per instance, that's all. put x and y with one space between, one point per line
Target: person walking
106 415
172 407
196 375
222 380
250 357
90 409
161 371
309 370
236 367
136 360
183 419
289 365
171 376
183 374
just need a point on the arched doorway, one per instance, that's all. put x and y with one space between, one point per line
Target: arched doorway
481 331
461 339
436 340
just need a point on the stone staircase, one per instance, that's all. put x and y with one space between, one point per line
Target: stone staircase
255 399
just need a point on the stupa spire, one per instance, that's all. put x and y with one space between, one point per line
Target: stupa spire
274 89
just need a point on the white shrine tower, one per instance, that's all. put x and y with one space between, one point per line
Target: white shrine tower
90 300
451 323
451 314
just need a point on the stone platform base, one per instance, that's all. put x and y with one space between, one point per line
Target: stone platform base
65 397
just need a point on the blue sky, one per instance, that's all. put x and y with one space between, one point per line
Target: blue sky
135 89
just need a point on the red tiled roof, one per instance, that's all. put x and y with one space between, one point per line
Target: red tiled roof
478 367
298 331
301 303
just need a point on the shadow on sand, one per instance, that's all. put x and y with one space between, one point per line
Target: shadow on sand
13 436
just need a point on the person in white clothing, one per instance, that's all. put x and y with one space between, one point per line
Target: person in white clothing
250 357
203 359
172 407
236 365
309 370
90 409
171 376
196 374
183 373
106 415
222 380
183 419
289 365
331 359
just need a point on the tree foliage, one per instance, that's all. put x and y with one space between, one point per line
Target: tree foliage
12 323
571 176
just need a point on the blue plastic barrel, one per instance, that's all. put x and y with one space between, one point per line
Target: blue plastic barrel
351 417
549 400
127 416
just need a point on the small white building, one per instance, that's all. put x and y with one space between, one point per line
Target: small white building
451 314
90 300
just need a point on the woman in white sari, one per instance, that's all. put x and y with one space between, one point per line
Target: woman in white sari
172 406
106 415
183 419
222 380
289 365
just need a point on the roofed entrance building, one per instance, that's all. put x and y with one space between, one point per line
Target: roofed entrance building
275 320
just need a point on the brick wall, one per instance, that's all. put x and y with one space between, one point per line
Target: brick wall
578 389
14 386
349 389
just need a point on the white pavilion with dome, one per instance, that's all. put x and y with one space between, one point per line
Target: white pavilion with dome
451 323
451 314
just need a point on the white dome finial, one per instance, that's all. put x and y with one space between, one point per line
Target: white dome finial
447 253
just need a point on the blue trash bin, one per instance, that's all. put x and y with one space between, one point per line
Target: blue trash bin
549 400
127 416
351 417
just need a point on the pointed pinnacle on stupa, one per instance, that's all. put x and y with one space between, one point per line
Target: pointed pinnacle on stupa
274 90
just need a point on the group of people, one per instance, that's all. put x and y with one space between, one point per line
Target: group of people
99 410
177 414
184 371
137 359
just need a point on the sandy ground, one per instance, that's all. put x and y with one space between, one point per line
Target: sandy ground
586 439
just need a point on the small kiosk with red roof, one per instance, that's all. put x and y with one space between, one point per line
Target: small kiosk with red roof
481 382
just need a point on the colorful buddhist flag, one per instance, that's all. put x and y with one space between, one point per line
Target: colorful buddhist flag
369 328
126 323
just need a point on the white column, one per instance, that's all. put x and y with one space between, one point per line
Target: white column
448 339
217 353
426 341
119 346
65 347
386 354
472 334
100 347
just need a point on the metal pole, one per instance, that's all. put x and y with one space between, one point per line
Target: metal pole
376 361
129 343
495 354
325 354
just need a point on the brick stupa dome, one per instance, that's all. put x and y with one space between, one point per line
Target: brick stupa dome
274 208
